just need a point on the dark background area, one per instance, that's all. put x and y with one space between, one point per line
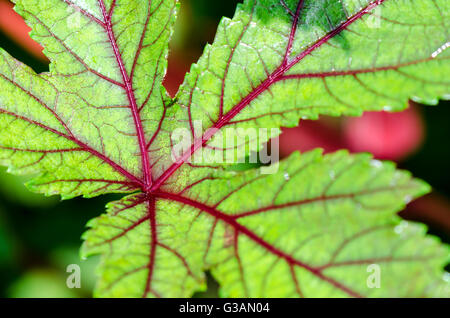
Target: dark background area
40 236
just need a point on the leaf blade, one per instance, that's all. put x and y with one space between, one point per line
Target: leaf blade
326 224
86 44
208 226
298 53
25 153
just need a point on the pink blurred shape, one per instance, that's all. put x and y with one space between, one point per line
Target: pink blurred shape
392 136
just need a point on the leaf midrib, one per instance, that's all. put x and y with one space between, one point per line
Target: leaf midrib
130 94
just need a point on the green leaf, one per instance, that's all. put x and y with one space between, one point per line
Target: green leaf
310 230
278 61
100 121
81 123
137 261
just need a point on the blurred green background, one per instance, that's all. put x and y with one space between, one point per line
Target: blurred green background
40 237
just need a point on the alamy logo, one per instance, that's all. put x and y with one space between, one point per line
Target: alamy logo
228 145
74 279
374 279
